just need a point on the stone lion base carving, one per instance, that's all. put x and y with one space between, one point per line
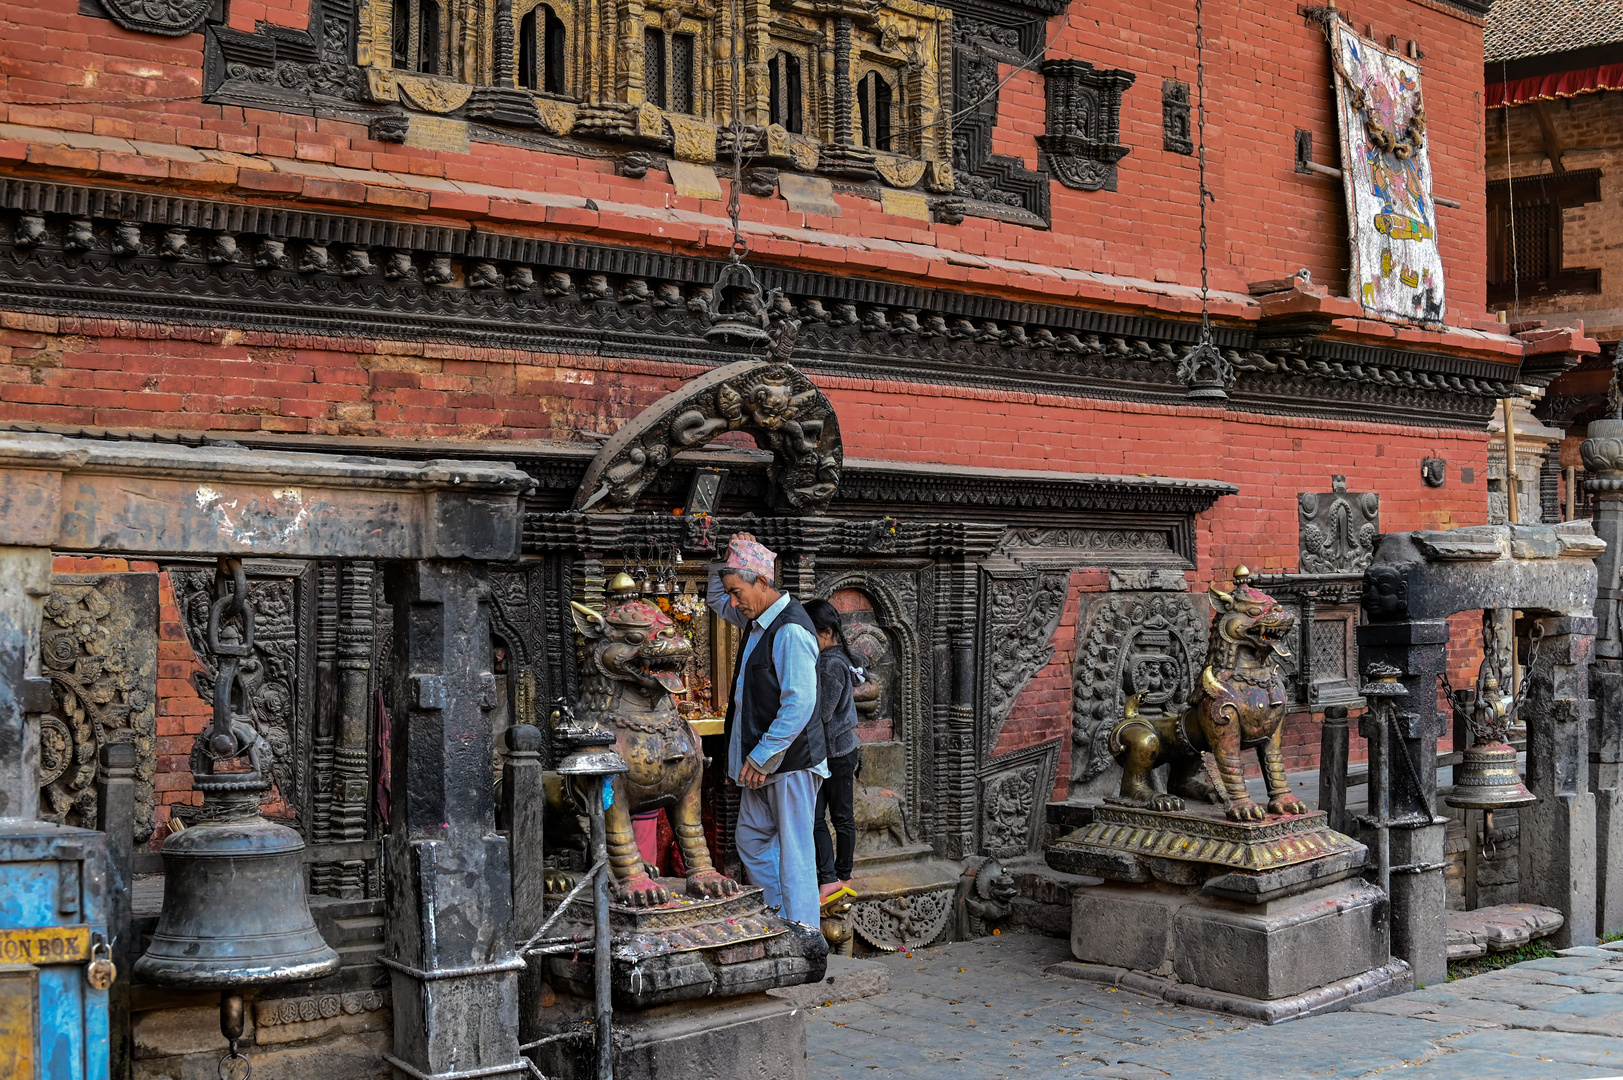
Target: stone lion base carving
1264 919
685 949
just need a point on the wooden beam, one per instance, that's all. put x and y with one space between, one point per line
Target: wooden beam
1552 141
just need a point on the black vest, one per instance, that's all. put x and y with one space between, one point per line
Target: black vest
761 692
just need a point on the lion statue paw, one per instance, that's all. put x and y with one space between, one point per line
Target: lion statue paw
1286 804
640 890
1164 802
1246 810
711 885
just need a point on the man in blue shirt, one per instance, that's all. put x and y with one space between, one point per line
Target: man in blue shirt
775 753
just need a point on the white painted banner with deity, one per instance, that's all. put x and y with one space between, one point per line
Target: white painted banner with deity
1396 270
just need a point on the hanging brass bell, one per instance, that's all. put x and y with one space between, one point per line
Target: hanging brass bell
234 912
234 909
1487 779
737 314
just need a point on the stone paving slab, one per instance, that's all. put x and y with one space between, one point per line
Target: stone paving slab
983 1010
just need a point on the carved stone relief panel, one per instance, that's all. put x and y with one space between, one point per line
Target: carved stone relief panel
982 47
1083 140
1021 611
1338 529
1150 643
888 615
1015 789
1175 130
99 647
279 678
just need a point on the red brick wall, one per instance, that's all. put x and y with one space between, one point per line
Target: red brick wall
1267 74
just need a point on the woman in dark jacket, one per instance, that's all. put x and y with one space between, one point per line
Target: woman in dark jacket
837 675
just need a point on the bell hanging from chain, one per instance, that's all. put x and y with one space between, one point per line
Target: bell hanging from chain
737 314
235 913
1487 779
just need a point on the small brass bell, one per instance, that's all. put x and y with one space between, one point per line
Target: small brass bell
1487 779
737 314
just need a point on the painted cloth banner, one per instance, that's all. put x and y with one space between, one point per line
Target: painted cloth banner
1397 272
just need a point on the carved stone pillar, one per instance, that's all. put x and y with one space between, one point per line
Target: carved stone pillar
1558 831
356 638
1407 764
25 579
449 944
1603 465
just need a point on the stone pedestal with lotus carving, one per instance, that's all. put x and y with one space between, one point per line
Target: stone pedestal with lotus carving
1264 919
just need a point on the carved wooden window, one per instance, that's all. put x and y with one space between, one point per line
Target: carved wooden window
876 101
541 43
668 69
428 37
1529 259
786 108
400 45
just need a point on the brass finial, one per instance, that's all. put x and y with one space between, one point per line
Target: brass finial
622 584
1241 573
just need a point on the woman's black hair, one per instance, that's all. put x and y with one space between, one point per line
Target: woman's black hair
824 616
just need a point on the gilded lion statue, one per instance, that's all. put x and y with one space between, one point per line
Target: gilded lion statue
631 666
1239 704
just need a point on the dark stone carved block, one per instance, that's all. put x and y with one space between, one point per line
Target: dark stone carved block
1015 789
1338 529
99 647
1175 127
1022 614
1083 141
172 18
980 46
1130 643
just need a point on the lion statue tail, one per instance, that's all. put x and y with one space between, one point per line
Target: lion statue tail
1131 717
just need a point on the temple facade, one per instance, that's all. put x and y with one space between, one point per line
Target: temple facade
987 372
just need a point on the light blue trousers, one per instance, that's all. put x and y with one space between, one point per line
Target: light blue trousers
774 838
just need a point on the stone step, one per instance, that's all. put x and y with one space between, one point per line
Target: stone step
1500 928
847 980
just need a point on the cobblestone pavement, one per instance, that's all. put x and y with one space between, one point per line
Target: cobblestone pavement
983 1010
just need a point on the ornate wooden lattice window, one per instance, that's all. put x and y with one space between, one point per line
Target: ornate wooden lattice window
1525 248
785 92
542 41
668 69
876 105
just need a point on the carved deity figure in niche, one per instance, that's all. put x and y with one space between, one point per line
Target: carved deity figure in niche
882 823
632 666
1239 704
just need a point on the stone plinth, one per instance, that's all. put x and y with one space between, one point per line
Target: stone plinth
754 1036
687 949
1267 919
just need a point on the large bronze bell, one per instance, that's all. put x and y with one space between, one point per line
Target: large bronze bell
1487 779
234 910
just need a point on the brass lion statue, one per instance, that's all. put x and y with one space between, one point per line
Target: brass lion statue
632 664
1239 704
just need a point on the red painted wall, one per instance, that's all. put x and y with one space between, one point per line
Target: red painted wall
1267 75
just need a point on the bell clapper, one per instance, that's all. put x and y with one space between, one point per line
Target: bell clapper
231 1025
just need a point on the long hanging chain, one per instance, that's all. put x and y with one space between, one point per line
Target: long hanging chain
740 248
1203 369
1200 130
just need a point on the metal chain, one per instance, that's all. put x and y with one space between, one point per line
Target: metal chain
740 248
1200 129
